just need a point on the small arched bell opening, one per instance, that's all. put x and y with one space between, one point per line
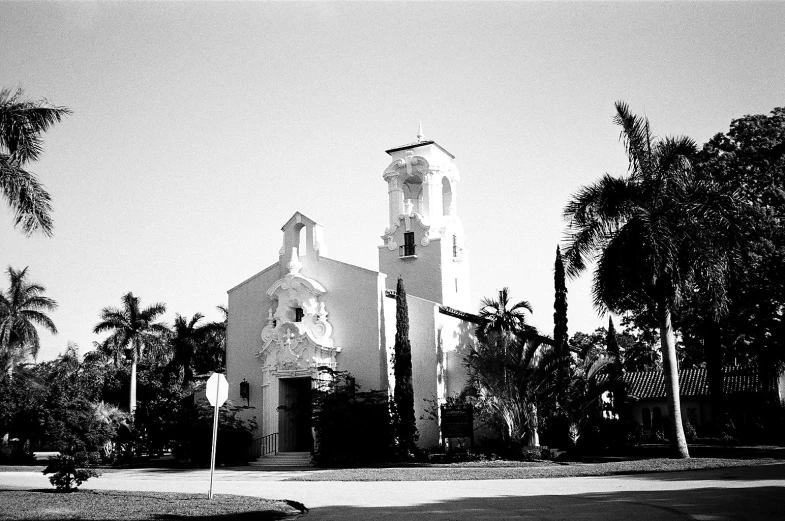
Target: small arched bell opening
301 239
412 193
447 203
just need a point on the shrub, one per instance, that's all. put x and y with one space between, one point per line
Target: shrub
634 432
351 428
194 435
689 431
70 471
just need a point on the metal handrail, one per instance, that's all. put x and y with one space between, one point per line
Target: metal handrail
264 445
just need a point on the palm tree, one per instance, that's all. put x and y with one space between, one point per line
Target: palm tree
590 378
134 329
501 317
22 307
105 351
512 367
504 324
644 233
513 380
187 342
21 124
213 355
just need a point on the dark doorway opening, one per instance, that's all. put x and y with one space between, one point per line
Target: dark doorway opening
294 416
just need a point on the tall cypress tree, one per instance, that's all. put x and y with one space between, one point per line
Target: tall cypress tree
403 396
560 325
612 346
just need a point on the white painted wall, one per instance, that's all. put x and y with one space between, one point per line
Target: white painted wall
248 306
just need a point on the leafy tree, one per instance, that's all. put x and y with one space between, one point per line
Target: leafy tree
134 329
644 231
748 166
192 434
21 412
560 336
71 421
160 404
404 424
22 307
21 124
638 351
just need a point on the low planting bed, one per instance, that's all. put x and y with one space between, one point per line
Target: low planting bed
94 504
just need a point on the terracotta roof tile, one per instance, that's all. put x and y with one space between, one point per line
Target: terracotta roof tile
693 382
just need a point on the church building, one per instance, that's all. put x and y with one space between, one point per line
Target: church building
309 311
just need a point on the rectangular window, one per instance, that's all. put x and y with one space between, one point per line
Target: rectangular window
408 244
298 314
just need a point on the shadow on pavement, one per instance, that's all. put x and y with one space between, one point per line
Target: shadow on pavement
751 474
709 504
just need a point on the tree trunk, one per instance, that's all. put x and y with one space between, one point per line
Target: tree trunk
132 405
670 372
533 428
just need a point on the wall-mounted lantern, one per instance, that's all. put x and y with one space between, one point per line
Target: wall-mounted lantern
245 392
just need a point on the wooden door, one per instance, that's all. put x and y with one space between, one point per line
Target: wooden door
294 416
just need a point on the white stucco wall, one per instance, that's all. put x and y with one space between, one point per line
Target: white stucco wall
455 268
702 410
352 301
423 275
457 337
248 305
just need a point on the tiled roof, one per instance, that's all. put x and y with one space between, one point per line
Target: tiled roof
694 382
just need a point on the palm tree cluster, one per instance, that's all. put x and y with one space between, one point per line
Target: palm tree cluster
137 334
21 124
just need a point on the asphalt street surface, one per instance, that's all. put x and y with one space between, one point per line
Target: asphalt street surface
740 493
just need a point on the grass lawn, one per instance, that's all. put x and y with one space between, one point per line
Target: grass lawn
93 504
526 470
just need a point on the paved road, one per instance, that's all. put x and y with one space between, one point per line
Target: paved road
741 493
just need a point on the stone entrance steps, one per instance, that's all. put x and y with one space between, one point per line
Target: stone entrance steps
284 459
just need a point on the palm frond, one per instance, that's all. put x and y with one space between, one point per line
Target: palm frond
22 122
594 215
27 198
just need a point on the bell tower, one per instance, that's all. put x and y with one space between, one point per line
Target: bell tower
424 242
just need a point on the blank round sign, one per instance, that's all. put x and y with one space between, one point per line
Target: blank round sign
217 389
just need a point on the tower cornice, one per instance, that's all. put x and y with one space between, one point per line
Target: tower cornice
417 145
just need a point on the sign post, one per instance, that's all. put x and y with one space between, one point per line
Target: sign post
217 391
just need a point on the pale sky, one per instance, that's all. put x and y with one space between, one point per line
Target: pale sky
199 129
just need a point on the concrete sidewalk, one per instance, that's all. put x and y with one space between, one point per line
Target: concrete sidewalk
753 493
